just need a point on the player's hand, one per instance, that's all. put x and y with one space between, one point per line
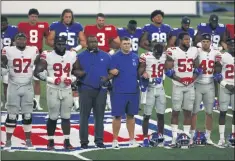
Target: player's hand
145 75
57 81
198 71
230 88
67 81
169 73
158 80
104 82
186 80
114 72
217 77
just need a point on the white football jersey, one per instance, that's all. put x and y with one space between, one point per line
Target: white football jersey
207 63
183 61
20 63
154 67
59 66
227 61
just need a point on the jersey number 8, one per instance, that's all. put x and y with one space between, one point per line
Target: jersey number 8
33 36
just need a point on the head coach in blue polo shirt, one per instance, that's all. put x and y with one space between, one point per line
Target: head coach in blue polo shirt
93 90
125 90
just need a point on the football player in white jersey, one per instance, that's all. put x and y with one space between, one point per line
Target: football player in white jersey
19 60
58 68
227 89
204 85
185 71
152 63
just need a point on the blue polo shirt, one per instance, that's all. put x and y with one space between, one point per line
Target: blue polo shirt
95 65
127 65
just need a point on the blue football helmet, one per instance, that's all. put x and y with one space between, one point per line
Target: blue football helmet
199 138
183 141
231 140
155 138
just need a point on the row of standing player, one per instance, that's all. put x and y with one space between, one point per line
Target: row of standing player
107 35
193 71
183 64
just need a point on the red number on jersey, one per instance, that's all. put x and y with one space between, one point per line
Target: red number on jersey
58 68
18 65
229 74
101 39
160 70
210 68
182 67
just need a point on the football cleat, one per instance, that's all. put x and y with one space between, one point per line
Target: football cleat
199 138
67 145
7 145
29 144
222 143
145 143
209 142
51 145
155 139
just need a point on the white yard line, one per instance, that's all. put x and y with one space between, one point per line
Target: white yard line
72 153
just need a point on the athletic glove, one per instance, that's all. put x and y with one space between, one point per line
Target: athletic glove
218 77
198 71
158 80
169 73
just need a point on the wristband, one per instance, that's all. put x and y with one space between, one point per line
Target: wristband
79 47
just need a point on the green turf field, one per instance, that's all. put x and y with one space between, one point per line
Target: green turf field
198 153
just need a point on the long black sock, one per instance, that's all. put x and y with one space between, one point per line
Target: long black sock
51 126
65 125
